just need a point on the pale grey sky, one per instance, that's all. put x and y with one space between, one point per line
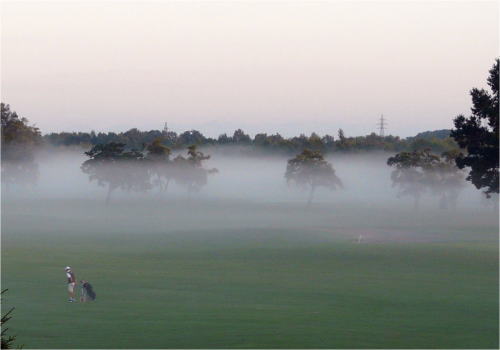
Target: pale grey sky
287 67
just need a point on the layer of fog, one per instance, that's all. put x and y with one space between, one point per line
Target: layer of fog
366 180
247 199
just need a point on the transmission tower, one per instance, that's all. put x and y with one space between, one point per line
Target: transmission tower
381 126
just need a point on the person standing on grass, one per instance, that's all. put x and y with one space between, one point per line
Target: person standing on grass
71 283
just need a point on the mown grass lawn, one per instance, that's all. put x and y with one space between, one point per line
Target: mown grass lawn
250 288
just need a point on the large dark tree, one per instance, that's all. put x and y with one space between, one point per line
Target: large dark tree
310 170
114 167
478 135
19 141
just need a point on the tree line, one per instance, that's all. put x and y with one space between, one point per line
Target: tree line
138 161
262 142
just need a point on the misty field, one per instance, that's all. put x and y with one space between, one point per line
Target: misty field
222 273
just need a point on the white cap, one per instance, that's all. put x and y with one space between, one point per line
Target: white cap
67 268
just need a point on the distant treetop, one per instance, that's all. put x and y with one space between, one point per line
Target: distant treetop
437 134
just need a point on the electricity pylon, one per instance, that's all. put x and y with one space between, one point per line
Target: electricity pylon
381 126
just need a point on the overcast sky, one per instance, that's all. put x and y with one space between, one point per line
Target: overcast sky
288 67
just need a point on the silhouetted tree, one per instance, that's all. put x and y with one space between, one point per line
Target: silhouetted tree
192 137
240 137
223 139
315 143
328 141
7 340
446 180
344 143
310 170
19 141
422 171
189 171
158 156
478 134
114 167
409 174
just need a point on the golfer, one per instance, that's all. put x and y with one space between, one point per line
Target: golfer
71 283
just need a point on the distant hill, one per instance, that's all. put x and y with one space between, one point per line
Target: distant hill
438 134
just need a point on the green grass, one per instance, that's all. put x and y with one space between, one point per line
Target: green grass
246 287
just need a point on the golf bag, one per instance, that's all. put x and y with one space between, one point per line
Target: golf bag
88 292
